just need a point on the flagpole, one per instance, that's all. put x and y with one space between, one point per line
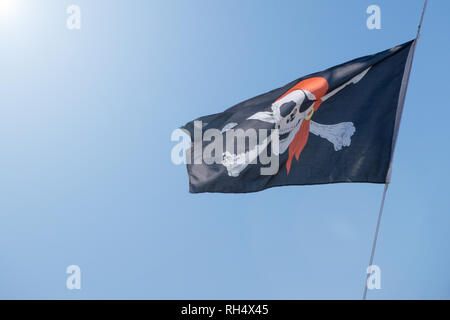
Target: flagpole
403 90
421 19
377 229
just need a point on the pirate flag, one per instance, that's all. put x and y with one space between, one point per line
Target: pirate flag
338 125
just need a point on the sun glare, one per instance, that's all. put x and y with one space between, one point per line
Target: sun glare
7 9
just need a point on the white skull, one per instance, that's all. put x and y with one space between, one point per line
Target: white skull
289 112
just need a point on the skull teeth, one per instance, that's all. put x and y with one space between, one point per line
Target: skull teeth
289 128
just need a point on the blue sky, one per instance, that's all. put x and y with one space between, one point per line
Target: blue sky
85 171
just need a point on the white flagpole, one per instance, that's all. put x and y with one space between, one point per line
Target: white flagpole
401 103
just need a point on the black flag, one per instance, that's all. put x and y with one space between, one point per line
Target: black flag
337 125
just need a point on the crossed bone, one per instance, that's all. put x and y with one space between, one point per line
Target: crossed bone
287 118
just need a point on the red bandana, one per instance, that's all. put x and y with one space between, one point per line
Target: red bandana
318 87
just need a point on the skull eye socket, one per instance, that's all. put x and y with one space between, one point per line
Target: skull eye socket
306 104
286 108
